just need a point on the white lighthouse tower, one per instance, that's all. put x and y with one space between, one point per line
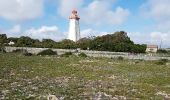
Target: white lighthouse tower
74 28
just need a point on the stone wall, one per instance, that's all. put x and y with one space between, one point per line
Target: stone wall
93 53
37 50
61 51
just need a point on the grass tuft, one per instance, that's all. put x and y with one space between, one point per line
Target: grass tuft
162 62
67 54
82 55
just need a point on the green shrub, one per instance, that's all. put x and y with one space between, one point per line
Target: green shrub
120 58
19 51
67 54
136 62
47 52
82 55
162 61
162 51
2 50
27 54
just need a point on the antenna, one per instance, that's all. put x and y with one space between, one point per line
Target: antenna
161 44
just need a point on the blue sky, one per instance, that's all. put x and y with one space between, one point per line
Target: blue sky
145 21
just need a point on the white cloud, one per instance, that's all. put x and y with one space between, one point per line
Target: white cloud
151 38
140 38
45 32
66 6
15 29
158 37
159 10
97 12
91 32
100 12
88 33
21 10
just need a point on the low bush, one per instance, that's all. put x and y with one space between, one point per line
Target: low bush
162 62
136 62
47 52
82 55
67 54
27 54
2 50
120 58
19 51
162 51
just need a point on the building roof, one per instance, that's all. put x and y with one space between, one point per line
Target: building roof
152 46
74 15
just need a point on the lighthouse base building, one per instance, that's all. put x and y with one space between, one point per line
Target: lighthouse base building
74 28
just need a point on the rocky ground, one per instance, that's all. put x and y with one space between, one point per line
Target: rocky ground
76 78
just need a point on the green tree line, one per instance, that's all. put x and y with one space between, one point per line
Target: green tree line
117 42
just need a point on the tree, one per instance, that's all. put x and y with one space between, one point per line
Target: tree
25 41
137 48
3 38
84 43
48 43
122 47
119 37
66 44
13 39
118 42
37 43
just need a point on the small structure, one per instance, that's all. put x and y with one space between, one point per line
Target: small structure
74 28
11 43
152 48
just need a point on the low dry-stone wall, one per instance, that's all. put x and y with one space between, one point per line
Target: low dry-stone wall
61 51
37 50
91 53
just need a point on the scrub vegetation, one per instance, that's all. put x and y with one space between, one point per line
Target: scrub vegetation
74 77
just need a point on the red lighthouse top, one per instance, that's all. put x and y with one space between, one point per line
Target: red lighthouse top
74 15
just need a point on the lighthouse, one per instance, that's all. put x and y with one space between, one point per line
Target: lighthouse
74 28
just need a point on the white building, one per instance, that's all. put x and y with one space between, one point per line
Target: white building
152 48
74 28
11 43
